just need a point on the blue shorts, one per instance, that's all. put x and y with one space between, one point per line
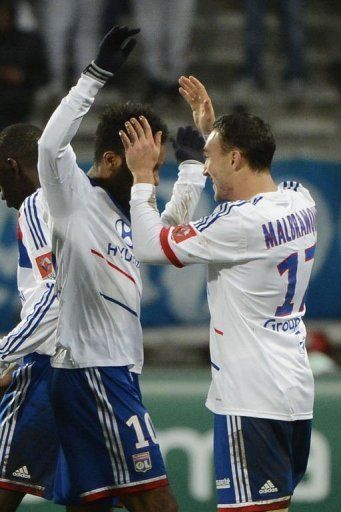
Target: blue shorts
109 447
258 462
28 436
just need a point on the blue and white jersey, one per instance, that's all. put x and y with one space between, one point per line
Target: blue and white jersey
260 255
98 277
35 276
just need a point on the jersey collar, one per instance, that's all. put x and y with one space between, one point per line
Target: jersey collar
122 210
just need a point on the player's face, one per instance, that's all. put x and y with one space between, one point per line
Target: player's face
159 163
218 167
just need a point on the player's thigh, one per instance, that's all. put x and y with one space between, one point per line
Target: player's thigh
10 500
155 500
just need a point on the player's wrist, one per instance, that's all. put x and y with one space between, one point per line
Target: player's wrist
143 176
98 73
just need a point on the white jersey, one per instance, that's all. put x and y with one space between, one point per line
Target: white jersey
260 255
98 277
35 276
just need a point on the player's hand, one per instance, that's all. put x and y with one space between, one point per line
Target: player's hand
115 48
188 145
142 149
194 92
6 371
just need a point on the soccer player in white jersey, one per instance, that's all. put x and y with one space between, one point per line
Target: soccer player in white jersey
28 437
259 246
108 440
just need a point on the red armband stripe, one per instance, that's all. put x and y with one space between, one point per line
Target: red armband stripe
167 248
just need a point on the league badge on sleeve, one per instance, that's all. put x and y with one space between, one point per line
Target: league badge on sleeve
181 233
45 266
142 462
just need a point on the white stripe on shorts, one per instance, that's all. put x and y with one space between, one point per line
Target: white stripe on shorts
109 427
243 459
8 424
240 475
232 458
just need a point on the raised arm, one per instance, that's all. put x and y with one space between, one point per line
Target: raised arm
188 146
62 180
215 238
195 94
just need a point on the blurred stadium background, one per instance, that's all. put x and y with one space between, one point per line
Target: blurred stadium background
175 316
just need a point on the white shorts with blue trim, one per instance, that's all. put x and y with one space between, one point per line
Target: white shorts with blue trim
109 446
258 462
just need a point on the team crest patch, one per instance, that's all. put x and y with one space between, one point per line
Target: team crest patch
181 233
45 265
142 462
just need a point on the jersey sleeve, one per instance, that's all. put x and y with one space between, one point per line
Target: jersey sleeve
218 238
34 238
64 183
186 194
39 323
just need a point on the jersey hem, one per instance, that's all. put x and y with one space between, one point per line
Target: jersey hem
87 364
259 414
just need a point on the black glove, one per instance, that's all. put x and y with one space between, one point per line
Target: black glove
114 50
188 145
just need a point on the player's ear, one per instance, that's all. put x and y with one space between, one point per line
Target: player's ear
14 166
236 159
112 160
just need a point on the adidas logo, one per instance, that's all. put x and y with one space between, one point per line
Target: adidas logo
225 483
22 472
268 487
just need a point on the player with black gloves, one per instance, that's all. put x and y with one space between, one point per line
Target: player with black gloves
188 145
109 445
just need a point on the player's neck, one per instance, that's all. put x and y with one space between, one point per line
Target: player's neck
118 190
253 184
31 182
117 185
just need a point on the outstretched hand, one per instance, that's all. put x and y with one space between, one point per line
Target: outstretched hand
188 145
115 48
142 149
194 92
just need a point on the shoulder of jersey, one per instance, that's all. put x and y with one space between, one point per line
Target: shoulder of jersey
295 186
33 211
223 210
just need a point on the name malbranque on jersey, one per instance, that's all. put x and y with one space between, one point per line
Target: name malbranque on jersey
290 228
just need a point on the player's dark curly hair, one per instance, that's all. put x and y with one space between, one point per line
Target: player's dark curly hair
249 134
112 121
20 141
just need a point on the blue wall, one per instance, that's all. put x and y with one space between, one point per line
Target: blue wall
179 297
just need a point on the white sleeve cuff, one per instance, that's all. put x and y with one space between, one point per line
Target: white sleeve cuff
88 86
192 171
142 191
